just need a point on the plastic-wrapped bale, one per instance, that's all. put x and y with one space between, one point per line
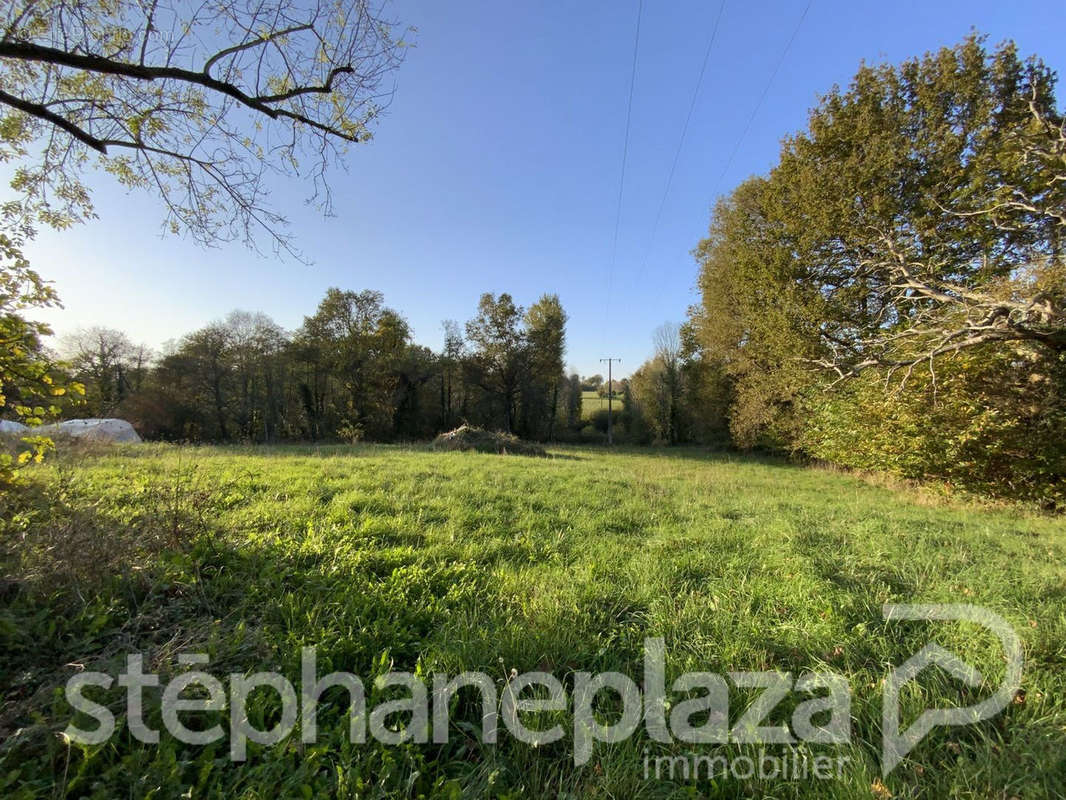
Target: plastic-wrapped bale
99 430
11 428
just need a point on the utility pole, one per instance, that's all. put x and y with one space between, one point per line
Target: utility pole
610 396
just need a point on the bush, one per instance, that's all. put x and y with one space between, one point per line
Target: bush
599 420
990 423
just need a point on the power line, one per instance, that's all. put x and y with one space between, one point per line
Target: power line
754 113
681 142
762 97
622 175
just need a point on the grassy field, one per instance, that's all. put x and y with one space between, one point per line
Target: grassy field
591 402
384 556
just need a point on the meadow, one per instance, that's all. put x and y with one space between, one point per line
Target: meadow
392 557
591 402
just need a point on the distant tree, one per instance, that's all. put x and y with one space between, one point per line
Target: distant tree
109 365
226 381
207 356
452 396
356 343
573 401
656 389
497 360
545 335
257 350
415 370
592 383
612 389
349 372
631 416
706 392
667 342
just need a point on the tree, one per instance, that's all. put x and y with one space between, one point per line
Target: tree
927 206
631 417
497 361
452 396
756 319
355 343
256 350
108 364
915 226
574 401
655 388
227 381
707 392
415 371
545 334
207 358
26 371
200 104
30 379
667 342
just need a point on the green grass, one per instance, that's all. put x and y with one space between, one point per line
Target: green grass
389 556
591 402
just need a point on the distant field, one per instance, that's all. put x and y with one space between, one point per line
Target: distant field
592 402
448 562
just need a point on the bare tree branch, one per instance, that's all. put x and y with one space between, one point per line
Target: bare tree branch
922 315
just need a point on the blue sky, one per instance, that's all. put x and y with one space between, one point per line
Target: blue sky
497 167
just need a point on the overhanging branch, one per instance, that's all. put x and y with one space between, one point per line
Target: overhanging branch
39 111
27 51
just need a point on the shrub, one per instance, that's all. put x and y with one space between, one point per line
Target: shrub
599 419
989 422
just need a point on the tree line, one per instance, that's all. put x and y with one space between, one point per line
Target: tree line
351 371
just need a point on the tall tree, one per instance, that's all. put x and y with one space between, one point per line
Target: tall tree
667 342
257 345
927 206
574 400
498 359
452 396
360 343
655 390
916 226
545 332
207 355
